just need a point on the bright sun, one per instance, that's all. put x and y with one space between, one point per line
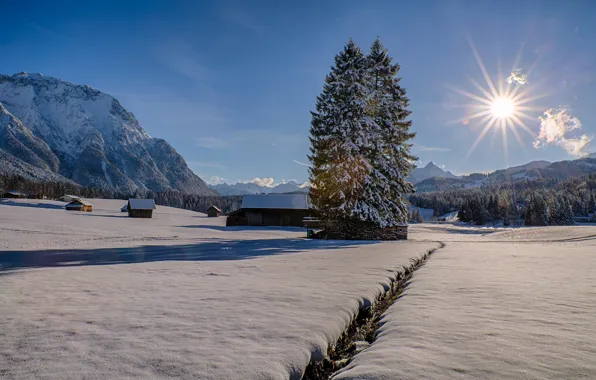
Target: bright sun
502 107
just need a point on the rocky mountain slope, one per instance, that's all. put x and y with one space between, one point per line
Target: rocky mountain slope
50 128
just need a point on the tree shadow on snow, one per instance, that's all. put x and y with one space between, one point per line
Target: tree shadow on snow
4 202
216 250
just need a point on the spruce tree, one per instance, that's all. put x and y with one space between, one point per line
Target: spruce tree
389 153
338 170
360 152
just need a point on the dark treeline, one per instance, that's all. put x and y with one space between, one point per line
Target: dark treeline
172 198
538 202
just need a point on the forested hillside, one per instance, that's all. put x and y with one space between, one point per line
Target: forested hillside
539 202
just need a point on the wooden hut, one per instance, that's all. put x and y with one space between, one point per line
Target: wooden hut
213 212
14 194
79 205
271 210
141 208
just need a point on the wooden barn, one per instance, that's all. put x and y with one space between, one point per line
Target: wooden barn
271 210
79 205
14 194
141 208
213 212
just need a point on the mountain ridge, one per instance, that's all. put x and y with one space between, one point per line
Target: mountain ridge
245 188
76 132
529 171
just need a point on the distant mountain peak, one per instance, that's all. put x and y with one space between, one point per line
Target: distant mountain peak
244 188
431 170
85 135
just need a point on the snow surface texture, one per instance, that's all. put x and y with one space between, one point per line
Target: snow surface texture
493 310
60 129
99 295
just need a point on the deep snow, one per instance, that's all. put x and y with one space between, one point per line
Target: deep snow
99 295
511 304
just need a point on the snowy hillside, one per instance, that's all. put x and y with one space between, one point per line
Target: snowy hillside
85 135
243 188
530 171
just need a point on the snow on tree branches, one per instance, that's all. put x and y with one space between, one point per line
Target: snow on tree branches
360 153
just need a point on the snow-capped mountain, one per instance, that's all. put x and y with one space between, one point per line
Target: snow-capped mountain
429 171
57 128
242 188
531 171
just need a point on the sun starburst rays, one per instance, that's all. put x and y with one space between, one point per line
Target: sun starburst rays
499 106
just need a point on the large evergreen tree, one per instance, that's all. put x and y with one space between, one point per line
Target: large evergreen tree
360 153
389 154
338 169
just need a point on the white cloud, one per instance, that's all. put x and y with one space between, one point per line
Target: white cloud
423 148
517 76
211 142
215 180
267 182
557 126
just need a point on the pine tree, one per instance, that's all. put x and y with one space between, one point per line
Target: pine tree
389 153
338 170
360 153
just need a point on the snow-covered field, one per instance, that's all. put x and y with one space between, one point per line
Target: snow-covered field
100 295
493 304
103 296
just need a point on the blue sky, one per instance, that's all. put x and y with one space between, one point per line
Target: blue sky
230 84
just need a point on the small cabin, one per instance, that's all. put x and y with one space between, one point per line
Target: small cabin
14 194
141 208
79 205
271 210
213 212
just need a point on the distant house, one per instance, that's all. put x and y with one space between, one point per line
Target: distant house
79 205
141 208
271 210
449 217
14 194
69 198
213 212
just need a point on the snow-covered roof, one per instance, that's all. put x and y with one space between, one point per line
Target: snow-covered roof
80 201
14 192
276 201
215 208
450 217
124 208
69 198
141 204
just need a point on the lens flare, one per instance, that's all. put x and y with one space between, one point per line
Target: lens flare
500 105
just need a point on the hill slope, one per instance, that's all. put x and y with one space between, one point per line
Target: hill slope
79 133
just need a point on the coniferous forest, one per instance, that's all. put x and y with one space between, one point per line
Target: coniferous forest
537 202
172 198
